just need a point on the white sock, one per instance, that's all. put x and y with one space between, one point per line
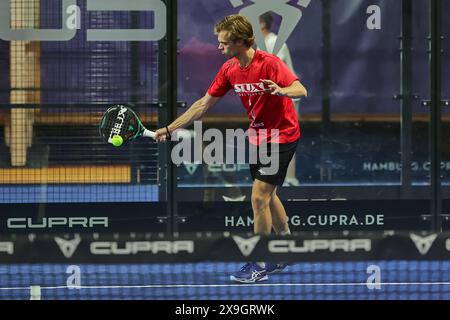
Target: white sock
261 264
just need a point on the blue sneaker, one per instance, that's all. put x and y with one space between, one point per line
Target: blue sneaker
275 267
250 273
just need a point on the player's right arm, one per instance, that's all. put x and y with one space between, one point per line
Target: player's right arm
195 112
218 88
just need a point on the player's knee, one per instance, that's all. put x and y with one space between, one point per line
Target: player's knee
260 200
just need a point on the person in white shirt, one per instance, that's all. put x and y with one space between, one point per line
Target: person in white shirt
270 38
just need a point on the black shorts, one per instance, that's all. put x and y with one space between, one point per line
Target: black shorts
285 153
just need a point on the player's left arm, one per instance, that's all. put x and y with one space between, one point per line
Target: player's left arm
295 90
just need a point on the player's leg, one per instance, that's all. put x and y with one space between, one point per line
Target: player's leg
280 226
264 197
279 216
291 176
262 193
277 210
264 188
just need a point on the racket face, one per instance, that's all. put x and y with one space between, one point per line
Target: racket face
120 120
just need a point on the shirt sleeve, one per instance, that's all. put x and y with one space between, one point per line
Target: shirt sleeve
279 73
220 85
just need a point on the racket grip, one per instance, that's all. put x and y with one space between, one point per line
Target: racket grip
148 133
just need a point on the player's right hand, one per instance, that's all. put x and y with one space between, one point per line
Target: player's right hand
161 135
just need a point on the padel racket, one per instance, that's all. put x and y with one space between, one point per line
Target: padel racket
123 121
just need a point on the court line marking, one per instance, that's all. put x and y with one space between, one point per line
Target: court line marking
238 285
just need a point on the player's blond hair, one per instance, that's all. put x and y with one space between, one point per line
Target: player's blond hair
238 27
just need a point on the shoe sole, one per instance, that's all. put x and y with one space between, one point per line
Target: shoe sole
233 278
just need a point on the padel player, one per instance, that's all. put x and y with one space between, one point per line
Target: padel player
271 108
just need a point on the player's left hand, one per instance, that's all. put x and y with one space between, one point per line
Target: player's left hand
273 88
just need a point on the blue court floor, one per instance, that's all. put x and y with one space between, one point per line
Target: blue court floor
398 280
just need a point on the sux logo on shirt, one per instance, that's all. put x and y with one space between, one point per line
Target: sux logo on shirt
249 87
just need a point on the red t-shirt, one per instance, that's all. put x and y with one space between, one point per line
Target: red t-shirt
264 110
